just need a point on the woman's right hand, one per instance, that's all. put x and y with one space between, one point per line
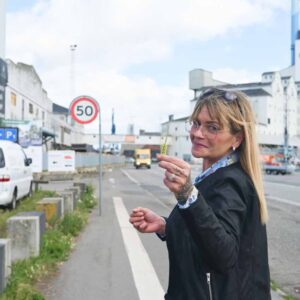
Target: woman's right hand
146 221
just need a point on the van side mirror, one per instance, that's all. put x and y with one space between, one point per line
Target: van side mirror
28 161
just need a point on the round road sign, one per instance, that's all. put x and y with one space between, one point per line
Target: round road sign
84 109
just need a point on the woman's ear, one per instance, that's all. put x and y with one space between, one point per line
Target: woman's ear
239 137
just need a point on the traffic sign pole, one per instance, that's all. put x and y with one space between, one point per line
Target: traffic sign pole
100 164
84 110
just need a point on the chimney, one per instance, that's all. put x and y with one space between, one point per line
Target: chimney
294 27
171 117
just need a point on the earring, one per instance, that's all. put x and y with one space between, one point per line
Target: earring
233 148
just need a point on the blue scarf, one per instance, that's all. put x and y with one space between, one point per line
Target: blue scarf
221 163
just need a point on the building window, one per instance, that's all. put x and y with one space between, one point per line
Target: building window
176 138
269 121
37 113
176 128
176 154
187 138
149 137
13 99
43 115
30 108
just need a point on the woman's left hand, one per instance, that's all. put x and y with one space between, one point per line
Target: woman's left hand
177 174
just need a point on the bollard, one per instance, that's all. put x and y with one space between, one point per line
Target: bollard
69 200
5 262
24 232
52 206
82 187
42 220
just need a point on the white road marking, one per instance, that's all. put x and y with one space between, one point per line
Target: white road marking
283 200
145 277
146 191
289 185
112 180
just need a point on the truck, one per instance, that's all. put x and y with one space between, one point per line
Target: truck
275 164
142 157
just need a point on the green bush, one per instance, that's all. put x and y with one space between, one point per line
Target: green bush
87 202
56 246
26 292
24 273
73 223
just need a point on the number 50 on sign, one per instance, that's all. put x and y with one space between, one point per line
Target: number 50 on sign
84 109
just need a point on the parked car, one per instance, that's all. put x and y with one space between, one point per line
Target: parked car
15 174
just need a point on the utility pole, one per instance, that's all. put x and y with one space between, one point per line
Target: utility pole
286 133
2 28
72 72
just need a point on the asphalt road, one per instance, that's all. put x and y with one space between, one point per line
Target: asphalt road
100 266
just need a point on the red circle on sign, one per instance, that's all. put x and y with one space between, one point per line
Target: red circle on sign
74 104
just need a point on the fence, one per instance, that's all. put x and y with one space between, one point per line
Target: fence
86 159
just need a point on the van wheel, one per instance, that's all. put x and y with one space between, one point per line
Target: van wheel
13 204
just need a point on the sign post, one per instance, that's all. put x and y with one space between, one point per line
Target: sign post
84 110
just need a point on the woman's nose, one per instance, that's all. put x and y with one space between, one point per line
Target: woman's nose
198 132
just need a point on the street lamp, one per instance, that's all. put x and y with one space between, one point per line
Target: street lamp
72 71
286 133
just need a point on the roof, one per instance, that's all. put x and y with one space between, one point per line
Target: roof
238 86
256 92
268 73
175 120
58 109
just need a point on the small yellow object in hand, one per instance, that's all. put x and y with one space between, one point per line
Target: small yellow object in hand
164 148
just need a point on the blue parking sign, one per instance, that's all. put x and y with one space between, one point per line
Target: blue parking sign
9 134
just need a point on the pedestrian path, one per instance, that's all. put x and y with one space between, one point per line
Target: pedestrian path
105 266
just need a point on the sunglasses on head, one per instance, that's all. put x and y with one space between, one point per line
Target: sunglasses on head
226 95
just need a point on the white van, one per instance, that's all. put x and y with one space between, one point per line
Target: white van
15 174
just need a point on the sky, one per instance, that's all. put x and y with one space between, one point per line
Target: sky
134 56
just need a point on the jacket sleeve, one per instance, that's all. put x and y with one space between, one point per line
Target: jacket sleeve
216 223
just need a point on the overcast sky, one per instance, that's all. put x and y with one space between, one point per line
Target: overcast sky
135 55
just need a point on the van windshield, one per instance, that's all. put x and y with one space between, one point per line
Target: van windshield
2 161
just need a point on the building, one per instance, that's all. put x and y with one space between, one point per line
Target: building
67 131
26 99
273 99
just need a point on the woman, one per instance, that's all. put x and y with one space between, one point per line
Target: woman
216 234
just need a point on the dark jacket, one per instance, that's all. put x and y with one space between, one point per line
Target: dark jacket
220 234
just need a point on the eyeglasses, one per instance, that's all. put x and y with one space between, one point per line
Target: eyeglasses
209 130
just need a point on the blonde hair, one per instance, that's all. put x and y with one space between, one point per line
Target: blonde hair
237 114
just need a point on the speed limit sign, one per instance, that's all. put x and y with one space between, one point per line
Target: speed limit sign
84 109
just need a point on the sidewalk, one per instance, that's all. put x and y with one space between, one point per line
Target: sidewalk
98 268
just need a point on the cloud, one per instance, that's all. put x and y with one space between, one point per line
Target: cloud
117 34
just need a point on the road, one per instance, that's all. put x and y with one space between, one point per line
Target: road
111 259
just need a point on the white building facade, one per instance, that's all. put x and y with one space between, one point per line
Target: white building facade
25 97
272 100
27 100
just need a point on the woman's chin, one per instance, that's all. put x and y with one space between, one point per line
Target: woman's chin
198 153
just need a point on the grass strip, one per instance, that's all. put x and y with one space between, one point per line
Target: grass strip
57 244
